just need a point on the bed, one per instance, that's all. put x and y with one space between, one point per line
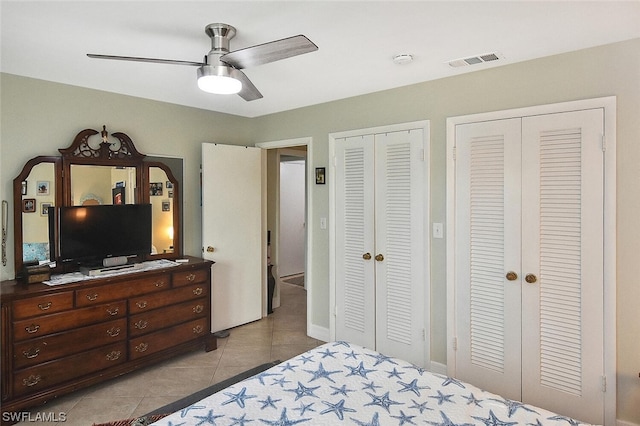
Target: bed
342 383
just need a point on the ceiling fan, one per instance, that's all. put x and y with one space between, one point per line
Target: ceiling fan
220 72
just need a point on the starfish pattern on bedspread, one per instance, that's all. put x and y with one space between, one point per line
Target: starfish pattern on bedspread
345 384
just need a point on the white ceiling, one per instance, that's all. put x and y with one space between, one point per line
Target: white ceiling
357 40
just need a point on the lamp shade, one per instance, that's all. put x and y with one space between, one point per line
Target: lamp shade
218 79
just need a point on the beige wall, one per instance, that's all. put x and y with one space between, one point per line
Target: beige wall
39 117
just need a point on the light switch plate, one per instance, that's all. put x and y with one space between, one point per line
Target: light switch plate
438 230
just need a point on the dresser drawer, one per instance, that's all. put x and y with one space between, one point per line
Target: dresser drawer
189 277
42 349
40 305
45 375
157 300
53 323
107 293
163 339
161 318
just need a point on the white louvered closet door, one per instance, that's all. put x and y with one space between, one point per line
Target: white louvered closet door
400 276
488 320
355 241
562 233
380 243
530 200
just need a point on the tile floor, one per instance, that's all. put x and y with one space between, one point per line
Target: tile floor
279 336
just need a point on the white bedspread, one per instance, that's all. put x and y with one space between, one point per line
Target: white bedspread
341 383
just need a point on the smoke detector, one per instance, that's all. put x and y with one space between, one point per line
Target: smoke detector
404 58
478 59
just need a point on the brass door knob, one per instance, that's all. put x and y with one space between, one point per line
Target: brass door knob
379 257
512 276
366 256
530 278
210 249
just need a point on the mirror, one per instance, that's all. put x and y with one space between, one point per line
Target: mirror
35 189
163 197
97 168
102 185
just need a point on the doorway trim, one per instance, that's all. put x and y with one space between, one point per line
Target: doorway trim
312 331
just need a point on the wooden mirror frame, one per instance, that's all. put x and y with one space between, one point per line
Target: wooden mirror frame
175 210
17 201
122 152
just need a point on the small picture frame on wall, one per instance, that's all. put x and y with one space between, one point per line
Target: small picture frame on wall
42 187
166 205
44 209
320 175
23 190
29 205
155 188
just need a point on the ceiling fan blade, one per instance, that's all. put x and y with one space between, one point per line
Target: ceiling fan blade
151 60
269 52
249 92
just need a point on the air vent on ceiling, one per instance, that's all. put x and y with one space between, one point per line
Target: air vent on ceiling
478 59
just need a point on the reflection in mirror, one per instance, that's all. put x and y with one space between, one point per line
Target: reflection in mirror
91 185
161 197
38 193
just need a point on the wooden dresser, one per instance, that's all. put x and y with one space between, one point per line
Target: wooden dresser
59 339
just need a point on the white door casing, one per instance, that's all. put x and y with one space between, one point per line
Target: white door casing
232 226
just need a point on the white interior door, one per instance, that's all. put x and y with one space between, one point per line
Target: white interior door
232 232
400 241
487 247
355 242
562 234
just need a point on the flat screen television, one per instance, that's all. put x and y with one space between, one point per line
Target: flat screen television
89 234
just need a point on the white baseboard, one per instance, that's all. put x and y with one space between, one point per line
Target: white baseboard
625 423
317 332
438 368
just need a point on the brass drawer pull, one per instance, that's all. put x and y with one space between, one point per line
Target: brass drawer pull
159 283
33 328
92 297
31 380
191 277
141 325
141 304
198 291
113 311
198 309
113 331
114 355
141 347
44 307
31 353
198 329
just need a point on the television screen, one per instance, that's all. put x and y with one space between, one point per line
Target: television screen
92 233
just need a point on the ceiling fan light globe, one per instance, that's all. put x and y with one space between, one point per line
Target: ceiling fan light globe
218 80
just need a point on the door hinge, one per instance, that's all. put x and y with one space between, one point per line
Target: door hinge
421 154
604 143
454 153
604 383
424 334
454 343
